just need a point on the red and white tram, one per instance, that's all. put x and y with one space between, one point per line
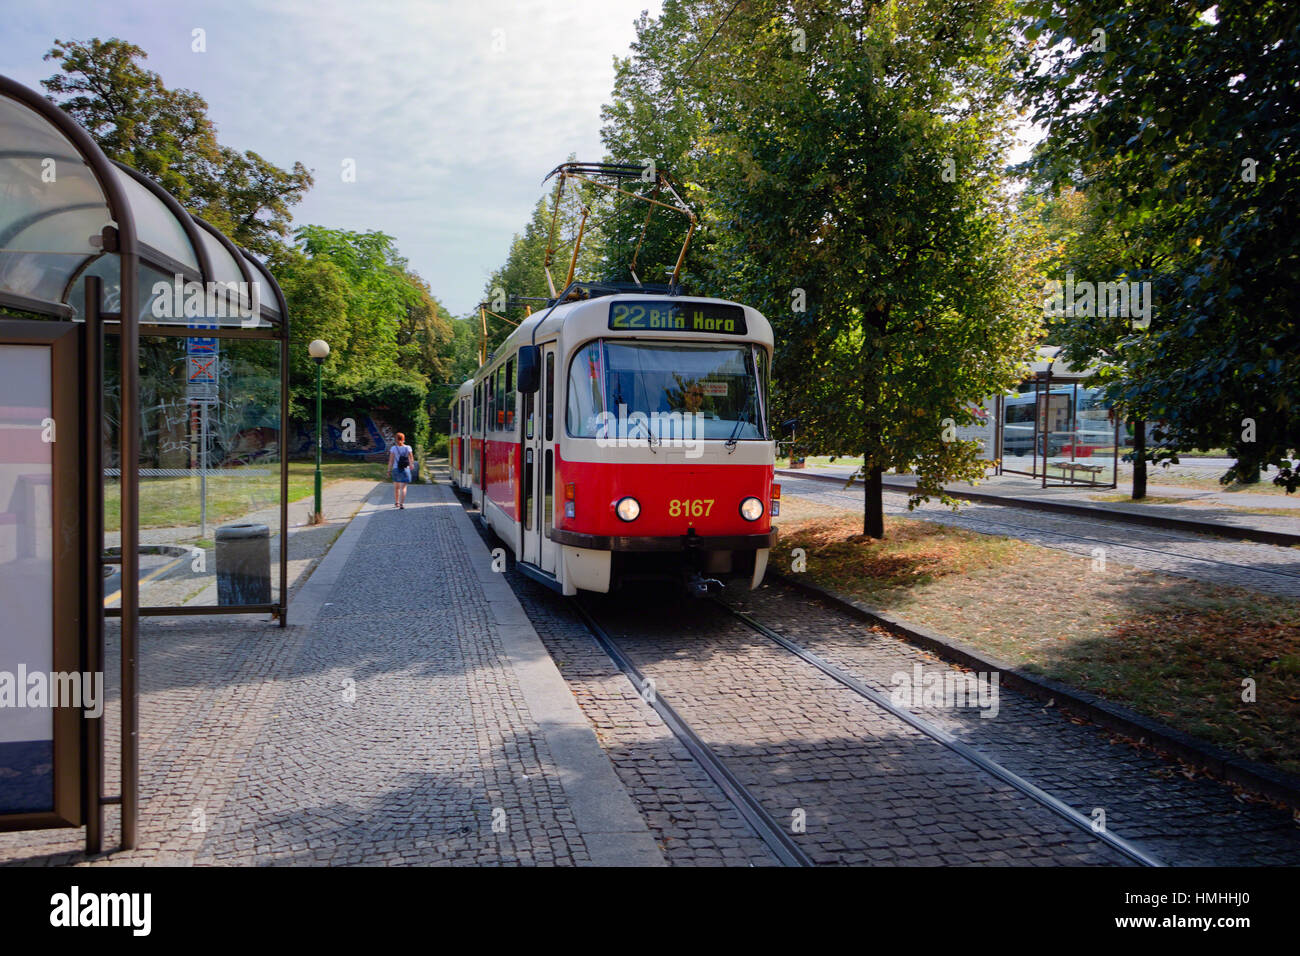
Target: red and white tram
624 435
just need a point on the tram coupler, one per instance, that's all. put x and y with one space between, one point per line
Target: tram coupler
698 586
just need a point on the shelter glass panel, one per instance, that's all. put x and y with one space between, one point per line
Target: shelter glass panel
155 224
52 211
210 448
26 575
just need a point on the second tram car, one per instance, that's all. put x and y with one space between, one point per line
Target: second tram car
621 435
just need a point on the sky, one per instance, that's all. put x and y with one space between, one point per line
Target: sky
451 111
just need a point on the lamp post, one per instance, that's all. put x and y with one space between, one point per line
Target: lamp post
319 350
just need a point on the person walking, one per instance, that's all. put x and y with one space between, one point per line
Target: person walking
401 458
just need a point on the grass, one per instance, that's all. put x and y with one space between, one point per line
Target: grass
821 461
1171 648
174 502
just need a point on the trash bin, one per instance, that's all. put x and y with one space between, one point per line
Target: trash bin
243 564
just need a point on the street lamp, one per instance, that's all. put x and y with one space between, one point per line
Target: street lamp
319 350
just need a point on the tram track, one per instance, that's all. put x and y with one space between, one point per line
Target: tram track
778 840
773 835
931 730
781 842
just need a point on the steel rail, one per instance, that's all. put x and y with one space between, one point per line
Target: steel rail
1013 779
772 834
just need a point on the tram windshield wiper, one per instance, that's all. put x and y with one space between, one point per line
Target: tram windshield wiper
732 441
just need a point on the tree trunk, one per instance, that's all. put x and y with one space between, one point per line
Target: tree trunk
875 321
1139 459
873 505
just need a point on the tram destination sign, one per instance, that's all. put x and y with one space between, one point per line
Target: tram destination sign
660 316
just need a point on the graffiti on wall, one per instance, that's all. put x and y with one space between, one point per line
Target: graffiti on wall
371 438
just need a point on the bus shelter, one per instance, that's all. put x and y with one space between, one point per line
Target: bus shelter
1056 429
143 395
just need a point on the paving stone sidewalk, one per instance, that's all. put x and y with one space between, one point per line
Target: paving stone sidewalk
408 715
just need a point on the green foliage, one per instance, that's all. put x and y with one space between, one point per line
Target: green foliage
816 141
383 325
167 135
400 403
464 349
1180 126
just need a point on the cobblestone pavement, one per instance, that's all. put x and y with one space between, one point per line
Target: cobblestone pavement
732 680
869 788
391 731
691 819
1145 797
1260 567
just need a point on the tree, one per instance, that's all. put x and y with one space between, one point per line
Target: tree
167 135
252 198
384 326
1091 237
424 333
135 119
851 167
1183 119
317 294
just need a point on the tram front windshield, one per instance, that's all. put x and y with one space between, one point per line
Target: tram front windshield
719 383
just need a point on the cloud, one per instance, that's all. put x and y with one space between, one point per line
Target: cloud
452 111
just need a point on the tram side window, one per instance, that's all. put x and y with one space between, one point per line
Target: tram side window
510 395
499 418
478 408
1020 413
492 402
550 396
764 383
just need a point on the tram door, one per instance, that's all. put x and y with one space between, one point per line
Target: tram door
538 489
465 434
544 507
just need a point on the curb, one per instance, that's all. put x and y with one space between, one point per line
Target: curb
1267 781
1234 532
612 828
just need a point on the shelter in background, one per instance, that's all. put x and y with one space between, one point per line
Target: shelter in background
1054 428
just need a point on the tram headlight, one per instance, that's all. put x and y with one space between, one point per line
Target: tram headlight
751 509
628 509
